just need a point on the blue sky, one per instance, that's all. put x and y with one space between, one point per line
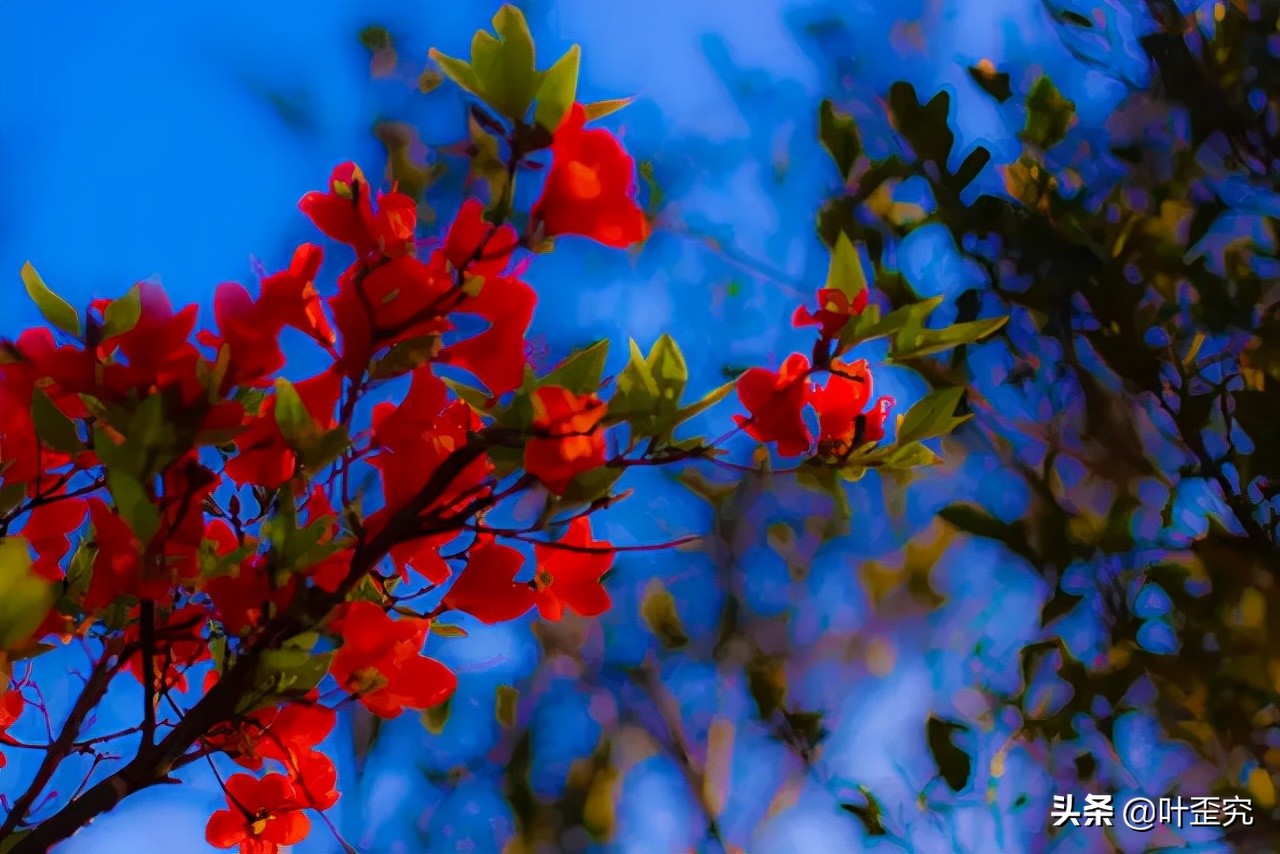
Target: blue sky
173 140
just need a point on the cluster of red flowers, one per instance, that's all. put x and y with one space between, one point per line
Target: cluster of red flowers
142 401
181 428
777 400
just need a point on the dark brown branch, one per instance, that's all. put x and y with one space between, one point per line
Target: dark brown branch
94 690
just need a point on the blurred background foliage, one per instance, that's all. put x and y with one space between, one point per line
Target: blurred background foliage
1081 597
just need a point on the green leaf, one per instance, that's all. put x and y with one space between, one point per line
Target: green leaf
926 342
767 681
505 702
923 124
290 671
977 522
670 373
292 417
25 597
707 401
435 718
907 317
845 273
1049 115
122 314
650 388
488 166
405 357
637 390
150 436
53 427
591 486
871 815
954 764
55 309
504 67
910 456
600 109
932 416
472 396
133 504
838 133
994 83
558 90
457 70
658 608
582 371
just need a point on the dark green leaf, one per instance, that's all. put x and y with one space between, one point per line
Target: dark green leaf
994 83
54 428
658 608
838 133
1049 115
133 504
435 718
954 764
767 682
505 702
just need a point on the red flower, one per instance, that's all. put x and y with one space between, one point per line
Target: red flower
568 438
243 599
263 458
291 296
347 215
569 573
316 779
286 734
117 565
400 299
11 704
486 588
477 246
47 529
249 329
187 484
413 441
842 426
380 661
262 815
590 186
776 402
496 356
834 311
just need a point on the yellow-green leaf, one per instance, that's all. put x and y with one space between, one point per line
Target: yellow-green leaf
25 598
658 608
558 89
55 309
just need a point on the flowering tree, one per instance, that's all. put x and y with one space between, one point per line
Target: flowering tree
257 552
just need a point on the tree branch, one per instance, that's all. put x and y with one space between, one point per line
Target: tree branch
94 690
